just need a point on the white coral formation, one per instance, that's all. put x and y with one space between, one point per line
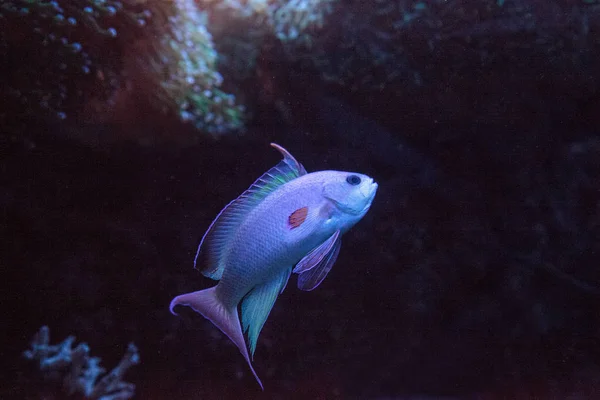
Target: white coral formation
184 70
80 370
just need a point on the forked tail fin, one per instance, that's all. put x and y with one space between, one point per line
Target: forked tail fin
205 302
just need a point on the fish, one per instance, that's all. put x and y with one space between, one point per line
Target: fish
288 221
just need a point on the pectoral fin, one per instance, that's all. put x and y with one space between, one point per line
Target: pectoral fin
257 305
315 266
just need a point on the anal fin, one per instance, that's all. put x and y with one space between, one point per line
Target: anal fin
257 305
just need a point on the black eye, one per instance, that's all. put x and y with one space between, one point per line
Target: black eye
353 180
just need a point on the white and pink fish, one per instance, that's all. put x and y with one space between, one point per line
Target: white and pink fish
287 221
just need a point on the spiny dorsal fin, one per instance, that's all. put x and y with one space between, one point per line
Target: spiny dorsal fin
213 246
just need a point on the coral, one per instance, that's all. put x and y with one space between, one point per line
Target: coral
79 370
60 54
181 69
239 29
243 8
364 46
296 20
69 58
243 27
385 44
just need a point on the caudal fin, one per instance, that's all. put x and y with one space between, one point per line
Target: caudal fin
205 302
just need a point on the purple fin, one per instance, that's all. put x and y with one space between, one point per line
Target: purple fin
212 248
205 302
316 255
315 266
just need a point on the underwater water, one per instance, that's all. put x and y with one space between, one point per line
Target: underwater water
127 126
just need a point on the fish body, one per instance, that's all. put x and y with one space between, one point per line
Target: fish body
280 247
287 221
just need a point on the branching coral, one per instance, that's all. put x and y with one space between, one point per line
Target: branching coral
80 371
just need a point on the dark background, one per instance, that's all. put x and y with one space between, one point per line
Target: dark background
474 274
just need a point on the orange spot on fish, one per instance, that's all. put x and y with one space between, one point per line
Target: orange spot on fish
298 217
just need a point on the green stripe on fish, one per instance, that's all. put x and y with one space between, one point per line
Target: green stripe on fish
286 218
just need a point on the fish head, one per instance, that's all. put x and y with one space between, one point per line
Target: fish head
350 193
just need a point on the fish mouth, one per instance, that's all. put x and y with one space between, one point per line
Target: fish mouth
369 193
369 190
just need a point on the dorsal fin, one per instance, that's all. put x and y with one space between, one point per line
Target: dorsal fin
213 246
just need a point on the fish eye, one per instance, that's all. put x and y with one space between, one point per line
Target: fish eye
353 180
